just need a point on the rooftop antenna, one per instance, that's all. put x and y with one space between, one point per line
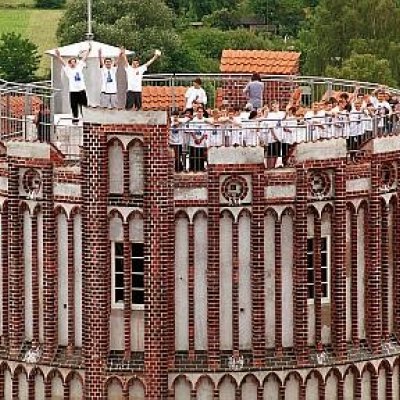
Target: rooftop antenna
89 34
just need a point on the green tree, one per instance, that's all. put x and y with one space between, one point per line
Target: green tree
285 15
19 58
134 24
364 67
338 28
49 3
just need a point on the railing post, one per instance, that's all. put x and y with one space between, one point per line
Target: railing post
52 108
28 91
172 82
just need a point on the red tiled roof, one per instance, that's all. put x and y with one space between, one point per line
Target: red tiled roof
163 97
15 106
261 61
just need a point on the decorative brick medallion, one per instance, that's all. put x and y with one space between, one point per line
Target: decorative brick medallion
31 183
320 184
235 189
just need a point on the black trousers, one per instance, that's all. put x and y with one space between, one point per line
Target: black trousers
133 100
197 158
77 100
178 148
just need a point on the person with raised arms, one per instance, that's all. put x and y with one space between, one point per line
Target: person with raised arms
73 69
134 77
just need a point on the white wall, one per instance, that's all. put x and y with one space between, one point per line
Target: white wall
382 384
349 383
57 389
77 223
227 389
27 241
391 271
269 279
75 387
312 388
136 169
22 387
39 387
245 298
292 388
136 391
287 280
396 383
200 282
225 282
114 391
116 168
116 234
7 385
40 273
348 275
62 246
366 385
205 390
182 389
249 389
326 231
361 273
331 387
271 389
181 284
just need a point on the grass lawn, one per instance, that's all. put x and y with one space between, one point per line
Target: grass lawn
39 26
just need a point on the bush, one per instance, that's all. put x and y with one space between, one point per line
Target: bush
19 58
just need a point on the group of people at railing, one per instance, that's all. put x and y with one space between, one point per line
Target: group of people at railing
357 117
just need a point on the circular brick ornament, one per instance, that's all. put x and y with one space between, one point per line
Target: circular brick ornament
31 181
320 184
387 176
234 189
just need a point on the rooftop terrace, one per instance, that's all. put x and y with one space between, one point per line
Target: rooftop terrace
20 105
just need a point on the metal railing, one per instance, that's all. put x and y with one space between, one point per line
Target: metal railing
27 110
190 140
226 90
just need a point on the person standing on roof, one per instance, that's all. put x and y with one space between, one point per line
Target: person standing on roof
134 77
254 91
73 69
196 96
108 68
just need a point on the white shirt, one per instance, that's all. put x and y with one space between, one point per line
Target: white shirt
199 129
195 94
109 80
134 76
76 81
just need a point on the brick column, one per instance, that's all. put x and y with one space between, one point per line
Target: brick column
354 280
191 283
396 265
374 291
235 288
96 260
35 281
49 267
300 270
317 281
213 278
15 263
385 268
338 265
278 287
158 214
4 255
71 284
257 262
389 389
